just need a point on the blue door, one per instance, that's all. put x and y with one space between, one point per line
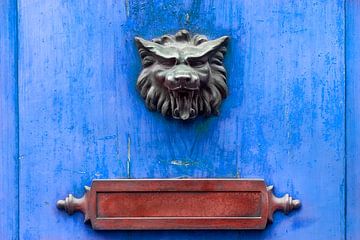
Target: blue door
70 111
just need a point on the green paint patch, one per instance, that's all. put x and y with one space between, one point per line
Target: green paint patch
203 126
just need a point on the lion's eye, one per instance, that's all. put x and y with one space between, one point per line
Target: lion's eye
196 63
168 62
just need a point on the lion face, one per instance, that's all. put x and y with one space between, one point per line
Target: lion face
182 76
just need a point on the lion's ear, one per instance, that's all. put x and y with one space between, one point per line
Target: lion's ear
147 58
148 45
210 47
153 48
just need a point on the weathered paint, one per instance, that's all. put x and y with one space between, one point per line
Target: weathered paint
8 121
353 118
80 116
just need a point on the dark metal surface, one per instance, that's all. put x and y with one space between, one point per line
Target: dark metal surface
178 204
183 76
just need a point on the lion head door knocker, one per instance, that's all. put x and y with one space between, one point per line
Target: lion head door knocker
183 76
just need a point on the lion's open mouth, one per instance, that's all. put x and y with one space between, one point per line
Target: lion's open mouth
183 104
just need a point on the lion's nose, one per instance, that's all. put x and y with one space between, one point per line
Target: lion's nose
182 78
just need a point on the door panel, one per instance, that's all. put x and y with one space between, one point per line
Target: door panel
81 118
352 119
8 121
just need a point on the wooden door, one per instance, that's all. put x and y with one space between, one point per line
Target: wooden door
70 111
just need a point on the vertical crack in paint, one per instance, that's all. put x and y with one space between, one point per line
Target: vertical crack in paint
127 8
187 19
128 156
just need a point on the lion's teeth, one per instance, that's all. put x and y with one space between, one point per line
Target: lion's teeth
182 104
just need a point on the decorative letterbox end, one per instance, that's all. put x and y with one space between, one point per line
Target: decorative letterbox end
67 204
72 204
285 204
